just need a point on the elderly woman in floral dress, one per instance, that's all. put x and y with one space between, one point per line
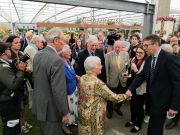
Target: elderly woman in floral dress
93 94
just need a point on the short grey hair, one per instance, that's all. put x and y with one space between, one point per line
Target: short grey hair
167 48
64 49
93 39
52 34
29 33
36 38
91 62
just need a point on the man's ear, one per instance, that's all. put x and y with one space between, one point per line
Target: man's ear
55 41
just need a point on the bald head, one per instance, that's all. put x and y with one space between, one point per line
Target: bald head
118 46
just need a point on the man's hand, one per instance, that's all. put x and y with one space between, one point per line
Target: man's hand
21 66
129 94
78 77
28 69
66 118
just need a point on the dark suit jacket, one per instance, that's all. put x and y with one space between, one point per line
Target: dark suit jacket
165 87
24 44
82 57
49 94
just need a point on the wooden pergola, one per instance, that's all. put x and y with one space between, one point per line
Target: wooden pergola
64 25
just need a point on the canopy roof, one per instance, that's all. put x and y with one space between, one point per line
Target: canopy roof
18 11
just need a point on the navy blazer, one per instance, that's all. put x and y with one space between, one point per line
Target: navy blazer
82 57
165 86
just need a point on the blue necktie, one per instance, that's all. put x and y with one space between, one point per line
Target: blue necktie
92 54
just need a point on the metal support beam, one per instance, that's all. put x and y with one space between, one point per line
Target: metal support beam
148 21
16 10
38 12
74 15
59 13
120 5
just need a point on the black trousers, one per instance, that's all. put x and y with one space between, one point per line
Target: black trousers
157 119
115 106
136 109
147 104
156 123
10 111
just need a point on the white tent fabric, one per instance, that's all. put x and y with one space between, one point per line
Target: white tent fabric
18 11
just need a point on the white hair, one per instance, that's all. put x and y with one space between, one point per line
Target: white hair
91 62
52 34
64 49
93 39
167 48
28 33
36 38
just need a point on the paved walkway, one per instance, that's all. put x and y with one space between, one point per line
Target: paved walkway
115 125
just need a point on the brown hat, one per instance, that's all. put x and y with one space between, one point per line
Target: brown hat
3 47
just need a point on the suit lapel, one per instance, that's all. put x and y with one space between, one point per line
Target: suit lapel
86 53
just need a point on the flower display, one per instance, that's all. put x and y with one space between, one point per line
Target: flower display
166 18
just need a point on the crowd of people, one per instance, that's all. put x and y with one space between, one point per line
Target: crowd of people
66 84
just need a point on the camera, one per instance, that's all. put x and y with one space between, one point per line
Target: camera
112 37
22 57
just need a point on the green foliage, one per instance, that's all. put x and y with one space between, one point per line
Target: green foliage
136 24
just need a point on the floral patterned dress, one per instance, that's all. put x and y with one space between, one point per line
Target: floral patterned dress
93 94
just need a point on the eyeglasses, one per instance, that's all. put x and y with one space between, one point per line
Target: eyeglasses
145 46
139 52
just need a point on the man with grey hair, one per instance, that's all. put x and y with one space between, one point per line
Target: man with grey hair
26 40
91 50
35 44
117 62
49 95
167 48
32 48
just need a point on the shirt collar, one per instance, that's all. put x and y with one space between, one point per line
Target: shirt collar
90 52
117 53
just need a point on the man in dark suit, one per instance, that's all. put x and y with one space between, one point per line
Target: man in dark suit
49 95
26 40
162 74
91 50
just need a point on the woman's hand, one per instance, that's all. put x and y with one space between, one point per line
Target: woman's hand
134 67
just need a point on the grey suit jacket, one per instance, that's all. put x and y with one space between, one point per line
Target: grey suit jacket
49 95
113 73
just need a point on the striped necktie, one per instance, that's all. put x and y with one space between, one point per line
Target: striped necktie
153 64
